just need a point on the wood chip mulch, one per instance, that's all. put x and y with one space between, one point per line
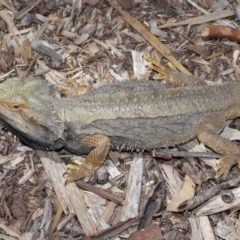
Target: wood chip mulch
133 195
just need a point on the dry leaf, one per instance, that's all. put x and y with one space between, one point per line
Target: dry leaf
26 51
5 60
187 192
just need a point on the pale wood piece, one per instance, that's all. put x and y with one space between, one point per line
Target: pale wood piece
206 228
8 230
101 43
202 19
172 178
93 199
139 64
2 77
25 236
221 21
96 211
28 8
10 24
135 36
225 230
114 49
112 169
108 212
198 7
230 133
197 234
51 75
201 228
26 176
5 159
64 221
132 202
216 204
69 195
8 5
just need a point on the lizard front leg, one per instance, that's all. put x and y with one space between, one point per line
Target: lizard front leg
207 132
95 158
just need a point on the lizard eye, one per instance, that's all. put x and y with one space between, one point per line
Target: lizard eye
13 106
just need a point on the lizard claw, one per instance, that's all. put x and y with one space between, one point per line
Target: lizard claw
224 165
78 171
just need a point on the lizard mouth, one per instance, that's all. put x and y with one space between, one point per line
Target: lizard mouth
31 134
37 140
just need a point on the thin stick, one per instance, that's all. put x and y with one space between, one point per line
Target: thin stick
171 154
31 65
148 36
221 32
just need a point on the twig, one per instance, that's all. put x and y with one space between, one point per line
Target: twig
31 65
202 19
148 36
8 5
100 192
28 8
198 7
55 220
189 39
221 32
171 154
31 213
114 230
200 199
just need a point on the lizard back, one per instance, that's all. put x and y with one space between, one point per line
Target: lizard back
144 115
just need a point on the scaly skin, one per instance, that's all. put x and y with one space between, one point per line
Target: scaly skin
128 115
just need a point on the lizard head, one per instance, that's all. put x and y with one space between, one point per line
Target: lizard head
27 109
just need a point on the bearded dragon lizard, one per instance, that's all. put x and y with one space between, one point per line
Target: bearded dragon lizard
128 115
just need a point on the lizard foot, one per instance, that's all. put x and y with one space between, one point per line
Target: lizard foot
79 170
94 159
73 88
224 165
162 71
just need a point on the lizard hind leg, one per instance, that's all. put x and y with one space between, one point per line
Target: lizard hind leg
207 132
94 159
162 71
73 88
171 76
